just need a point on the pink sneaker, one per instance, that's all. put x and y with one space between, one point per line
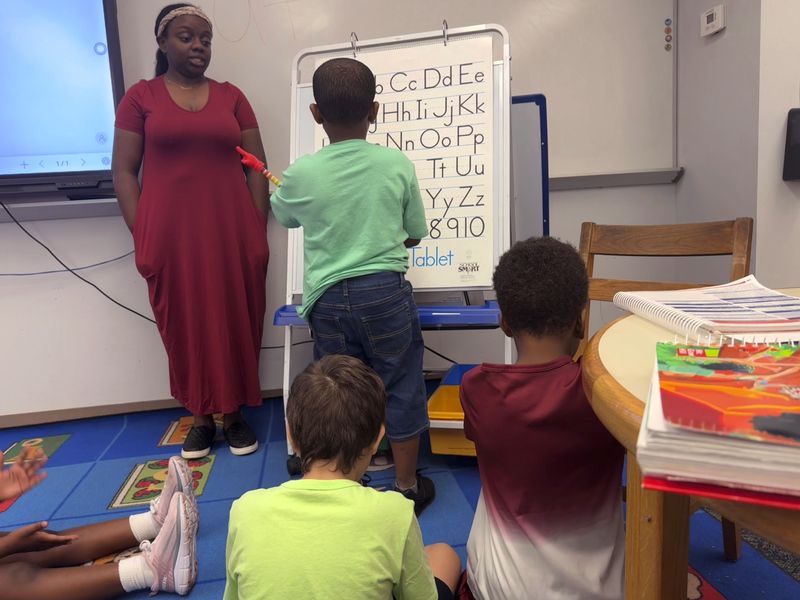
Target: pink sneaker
179 479
172 556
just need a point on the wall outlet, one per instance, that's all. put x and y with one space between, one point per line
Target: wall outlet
712 20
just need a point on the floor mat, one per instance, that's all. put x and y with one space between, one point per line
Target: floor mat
48 445
146 480
178 430
119 461
698 588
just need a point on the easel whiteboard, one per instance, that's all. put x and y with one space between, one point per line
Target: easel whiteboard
530 197
397 60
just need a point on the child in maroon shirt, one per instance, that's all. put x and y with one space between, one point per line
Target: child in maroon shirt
548 522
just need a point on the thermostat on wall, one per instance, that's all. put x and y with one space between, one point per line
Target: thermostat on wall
712 21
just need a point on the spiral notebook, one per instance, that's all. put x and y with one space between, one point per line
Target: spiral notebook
724 421
742 310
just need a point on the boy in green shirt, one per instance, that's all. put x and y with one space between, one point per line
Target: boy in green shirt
360 208
326 536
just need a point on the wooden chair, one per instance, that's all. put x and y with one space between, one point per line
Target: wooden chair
717 238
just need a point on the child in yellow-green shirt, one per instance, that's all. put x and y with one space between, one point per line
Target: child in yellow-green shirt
326 536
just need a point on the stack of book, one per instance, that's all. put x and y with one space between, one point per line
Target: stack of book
723 414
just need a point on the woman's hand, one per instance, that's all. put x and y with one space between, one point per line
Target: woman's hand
252 152
23 474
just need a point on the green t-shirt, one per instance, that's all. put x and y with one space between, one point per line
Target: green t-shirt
325 539
357 204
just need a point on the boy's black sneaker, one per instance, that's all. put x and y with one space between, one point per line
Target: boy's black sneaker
241 439
424 495
198 442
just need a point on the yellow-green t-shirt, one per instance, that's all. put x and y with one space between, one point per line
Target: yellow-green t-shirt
357 203
325 539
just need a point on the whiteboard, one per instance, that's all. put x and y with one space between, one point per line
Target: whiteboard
470 229
530 198
530 201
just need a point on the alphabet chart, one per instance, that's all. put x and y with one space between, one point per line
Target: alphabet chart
437 107
445 105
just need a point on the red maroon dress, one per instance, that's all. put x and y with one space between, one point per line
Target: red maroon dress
200 243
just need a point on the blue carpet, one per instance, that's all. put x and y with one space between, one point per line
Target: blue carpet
88 469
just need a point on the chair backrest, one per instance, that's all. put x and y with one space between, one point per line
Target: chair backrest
713 238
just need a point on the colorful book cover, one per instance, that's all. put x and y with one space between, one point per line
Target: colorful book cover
744 390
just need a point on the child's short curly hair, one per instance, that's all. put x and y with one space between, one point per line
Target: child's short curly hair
335 410
344 90
541 286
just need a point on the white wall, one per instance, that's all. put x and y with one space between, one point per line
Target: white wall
64 346
778 218
67 347
717 122
621 206
734 92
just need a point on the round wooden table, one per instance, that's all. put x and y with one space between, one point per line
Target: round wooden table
617 368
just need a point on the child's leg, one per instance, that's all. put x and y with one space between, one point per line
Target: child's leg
101 539
168 564
388 326
93 542
407 407
374 318
445 564
24 581
405 456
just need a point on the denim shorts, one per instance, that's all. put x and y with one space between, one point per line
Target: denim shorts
374 318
